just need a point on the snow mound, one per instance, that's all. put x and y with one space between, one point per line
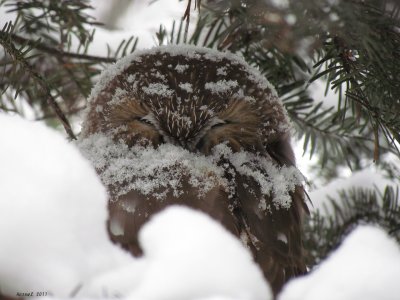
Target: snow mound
366 266
52 213
187 255
366 178
54 240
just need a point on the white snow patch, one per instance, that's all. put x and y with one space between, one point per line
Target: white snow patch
186 87
99 108
52 213
273 180
108 74
157 74
118 96
131 78
187 255
181 68
54 240
147 170
367 178
222 71
221 86
174 50
366 266
159 89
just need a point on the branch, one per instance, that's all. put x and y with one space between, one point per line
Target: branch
54 51
15 54
68 113
360 99
186 15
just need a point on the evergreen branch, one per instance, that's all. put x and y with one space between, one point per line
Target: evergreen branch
324 233
19 58
70 112
358 63
186 16
332 141
366 27
361 98
54 51
337 143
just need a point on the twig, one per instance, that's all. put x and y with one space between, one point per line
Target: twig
13 52
68 113
186 16
54 51
360 100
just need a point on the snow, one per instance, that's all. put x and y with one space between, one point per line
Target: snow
186 87
157 89
278 181
158 171
141 19
187 255
221 86
189 51
108 73
366 178
366 266
54 240
181 68
221 71
147 169
52 213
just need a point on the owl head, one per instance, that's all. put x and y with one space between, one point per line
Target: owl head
193 97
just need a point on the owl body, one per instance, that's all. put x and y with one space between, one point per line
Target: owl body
192 126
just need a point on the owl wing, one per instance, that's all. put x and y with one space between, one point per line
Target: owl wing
128 213
274 234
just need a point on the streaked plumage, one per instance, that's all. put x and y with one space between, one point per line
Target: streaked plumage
197 98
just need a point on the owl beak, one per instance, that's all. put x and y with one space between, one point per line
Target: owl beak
187 145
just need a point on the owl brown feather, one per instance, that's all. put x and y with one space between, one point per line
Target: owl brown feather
197 99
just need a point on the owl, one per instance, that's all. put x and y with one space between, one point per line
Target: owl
185 125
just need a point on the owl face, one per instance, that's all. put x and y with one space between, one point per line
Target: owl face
193 127
195 100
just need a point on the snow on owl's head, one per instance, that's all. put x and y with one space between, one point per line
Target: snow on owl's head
188 96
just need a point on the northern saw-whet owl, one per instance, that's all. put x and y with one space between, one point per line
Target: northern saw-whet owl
193 126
